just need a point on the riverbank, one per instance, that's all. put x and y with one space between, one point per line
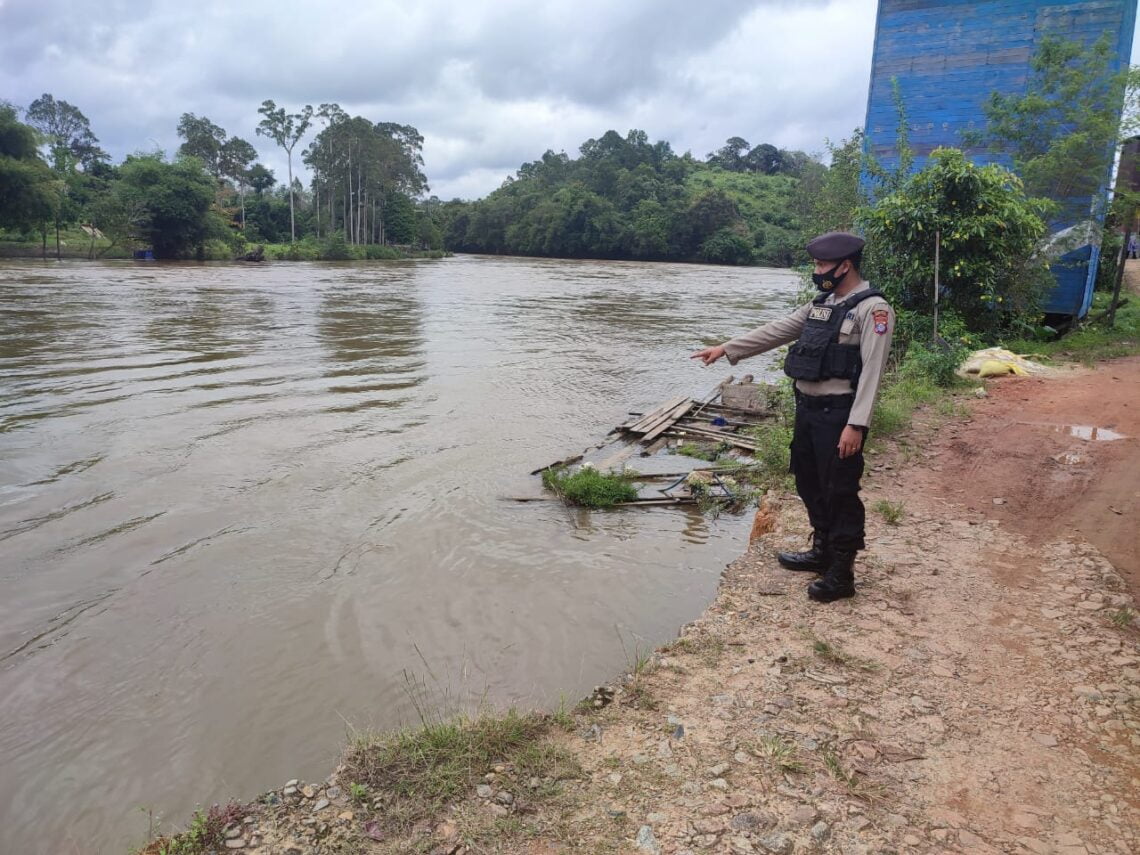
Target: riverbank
981 694
76 244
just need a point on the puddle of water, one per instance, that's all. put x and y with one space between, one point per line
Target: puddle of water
1091 433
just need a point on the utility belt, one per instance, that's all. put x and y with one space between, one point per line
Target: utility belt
824 402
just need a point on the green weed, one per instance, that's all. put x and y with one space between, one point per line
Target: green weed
781 752
832 653
1123 617
588 487
892 512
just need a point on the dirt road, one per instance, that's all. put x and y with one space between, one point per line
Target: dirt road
1046 456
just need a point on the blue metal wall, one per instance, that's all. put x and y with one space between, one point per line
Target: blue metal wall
949 55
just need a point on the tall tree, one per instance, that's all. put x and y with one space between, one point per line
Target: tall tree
285 129
234 161
202 139
69 135
260 178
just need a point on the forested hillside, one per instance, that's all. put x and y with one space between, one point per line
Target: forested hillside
629 198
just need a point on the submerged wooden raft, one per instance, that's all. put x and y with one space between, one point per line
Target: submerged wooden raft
717 418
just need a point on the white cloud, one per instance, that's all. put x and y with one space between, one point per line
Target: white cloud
489 84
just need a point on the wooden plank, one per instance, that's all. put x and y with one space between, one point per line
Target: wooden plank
730 438
648 419
558 463
648 422
667 421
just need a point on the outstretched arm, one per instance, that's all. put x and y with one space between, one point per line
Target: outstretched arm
759 340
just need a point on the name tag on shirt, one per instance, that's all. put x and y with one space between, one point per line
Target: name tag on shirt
819 313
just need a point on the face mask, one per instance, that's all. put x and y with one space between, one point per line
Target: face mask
828 281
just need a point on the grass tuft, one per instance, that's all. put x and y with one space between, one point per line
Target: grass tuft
1123 617
892 512
589 488
415 774
833 653
205 833
781 752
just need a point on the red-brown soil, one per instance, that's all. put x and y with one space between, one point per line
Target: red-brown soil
1018 461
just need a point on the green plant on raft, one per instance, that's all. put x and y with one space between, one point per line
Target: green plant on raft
588 487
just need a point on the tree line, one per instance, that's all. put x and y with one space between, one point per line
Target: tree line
627 197
213 198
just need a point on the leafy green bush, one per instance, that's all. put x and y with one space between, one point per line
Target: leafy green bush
379 251
589 487
334 248
990 272
216 250
937 364
726 247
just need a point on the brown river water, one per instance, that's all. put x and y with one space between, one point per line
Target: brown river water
244 509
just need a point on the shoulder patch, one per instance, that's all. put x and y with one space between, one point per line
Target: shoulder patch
881 320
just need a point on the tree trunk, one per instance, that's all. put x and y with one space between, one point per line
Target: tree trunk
58 256
292 220
91 249
317 206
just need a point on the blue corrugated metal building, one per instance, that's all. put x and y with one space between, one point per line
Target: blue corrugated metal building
949 55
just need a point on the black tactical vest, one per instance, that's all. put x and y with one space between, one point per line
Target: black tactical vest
818 355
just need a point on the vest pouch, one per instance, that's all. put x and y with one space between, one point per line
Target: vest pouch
842 361
805 361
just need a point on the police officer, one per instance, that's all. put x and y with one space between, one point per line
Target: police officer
842 339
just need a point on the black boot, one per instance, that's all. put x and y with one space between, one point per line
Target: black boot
815 559
839 580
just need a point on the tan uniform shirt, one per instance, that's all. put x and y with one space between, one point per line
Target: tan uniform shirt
870 325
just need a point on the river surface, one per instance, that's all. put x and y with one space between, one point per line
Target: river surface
245 508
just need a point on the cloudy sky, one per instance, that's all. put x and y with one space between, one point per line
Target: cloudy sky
489 83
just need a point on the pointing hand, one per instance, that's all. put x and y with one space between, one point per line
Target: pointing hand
709 355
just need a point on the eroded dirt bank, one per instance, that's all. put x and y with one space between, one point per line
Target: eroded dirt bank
981 694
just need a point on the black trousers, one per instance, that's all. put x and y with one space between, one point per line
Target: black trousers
828 484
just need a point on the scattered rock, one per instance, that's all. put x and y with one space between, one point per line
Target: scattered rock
505 798
646 841
719 784
484 791
804 815
321 804
749 822
778 843
820 831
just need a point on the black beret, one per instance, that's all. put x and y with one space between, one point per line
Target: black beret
834 246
